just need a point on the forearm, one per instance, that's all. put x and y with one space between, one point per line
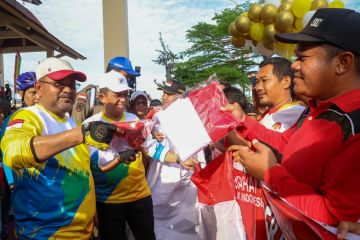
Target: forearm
44 147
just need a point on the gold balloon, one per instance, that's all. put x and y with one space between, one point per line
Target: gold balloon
298 24
269 44
237 42
284 21
254 12
247 36
269 32
244 14
233 31
285 6
257 31
242 24
337 4
284 49
268 13
316 4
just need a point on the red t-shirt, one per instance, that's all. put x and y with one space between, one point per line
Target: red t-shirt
320 169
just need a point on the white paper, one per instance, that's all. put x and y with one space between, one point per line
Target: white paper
183 127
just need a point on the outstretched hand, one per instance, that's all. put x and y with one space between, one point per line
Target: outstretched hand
256 162
190 164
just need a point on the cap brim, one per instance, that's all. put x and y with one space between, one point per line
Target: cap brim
297 38
59 75
166 89
117 90
132 73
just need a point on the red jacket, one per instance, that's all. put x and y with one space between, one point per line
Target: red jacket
320 166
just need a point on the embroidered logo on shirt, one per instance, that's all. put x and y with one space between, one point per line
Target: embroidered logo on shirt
16 123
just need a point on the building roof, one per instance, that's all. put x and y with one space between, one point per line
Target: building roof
21 31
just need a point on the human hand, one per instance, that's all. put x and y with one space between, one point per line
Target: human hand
236 111
256 163
158 136
98 134
347 227
190 164
127 156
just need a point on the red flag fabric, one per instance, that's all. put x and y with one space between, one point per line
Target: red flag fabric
220 185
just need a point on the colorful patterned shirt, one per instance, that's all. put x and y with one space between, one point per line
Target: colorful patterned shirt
125 183
54 199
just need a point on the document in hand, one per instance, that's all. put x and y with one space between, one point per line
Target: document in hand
192 122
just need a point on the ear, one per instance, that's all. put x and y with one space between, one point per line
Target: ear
102 98
344 63
38 87
286 82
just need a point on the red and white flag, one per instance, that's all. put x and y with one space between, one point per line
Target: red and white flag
193 122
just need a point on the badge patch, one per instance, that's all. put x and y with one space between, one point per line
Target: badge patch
16 123
80 106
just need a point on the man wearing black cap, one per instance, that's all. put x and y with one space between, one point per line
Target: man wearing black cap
174 196
319 170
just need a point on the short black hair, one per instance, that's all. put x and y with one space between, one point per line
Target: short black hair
281 69
234 94
332 51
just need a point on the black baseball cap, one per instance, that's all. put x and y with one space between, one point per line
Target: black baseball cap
335 26
172 87
155 103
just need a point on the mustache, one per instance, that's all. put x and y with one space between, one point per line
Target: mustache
66 95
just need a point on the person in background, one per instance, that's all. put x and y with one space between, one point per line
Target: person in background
87 100
139 104
8 92
25 84
174 197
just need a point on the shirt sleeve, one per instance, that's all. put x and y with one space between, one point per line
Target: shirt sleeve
254 130
16 144
338 197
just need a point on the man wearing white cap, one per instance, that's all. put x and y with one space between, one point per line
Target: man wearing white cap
53 195
122 194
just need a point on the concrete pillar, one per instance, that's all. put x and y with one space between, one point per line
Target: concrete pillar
115 22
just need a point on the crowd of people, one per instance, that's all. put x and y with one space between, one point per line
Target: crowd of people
70 169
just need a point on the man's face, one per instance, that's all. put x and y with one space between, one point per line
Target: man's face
168 99
141 106
270 89
314 72
57 96
114 102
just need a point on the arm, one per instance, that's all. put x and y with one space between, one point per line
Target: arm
336 199
44 147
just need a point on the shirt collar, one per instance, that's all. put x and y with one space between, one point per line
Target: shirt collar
347 102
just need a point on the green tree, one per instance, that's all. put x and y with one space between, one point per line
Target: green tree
212 52
166 58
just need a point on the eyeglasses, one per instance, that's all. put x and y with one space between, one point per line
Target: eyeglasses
61 84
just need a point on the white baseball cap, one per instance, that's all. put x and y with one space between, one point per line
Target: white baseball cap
136 94
114 81
57 69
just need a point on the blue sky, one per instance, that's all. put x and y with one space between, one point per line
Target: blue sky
79 25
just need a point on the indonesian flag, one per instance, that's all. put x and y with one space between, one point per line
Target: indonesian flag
193 122
234 205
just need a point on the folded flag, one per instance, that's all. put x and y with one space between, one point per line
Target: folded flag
193 122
